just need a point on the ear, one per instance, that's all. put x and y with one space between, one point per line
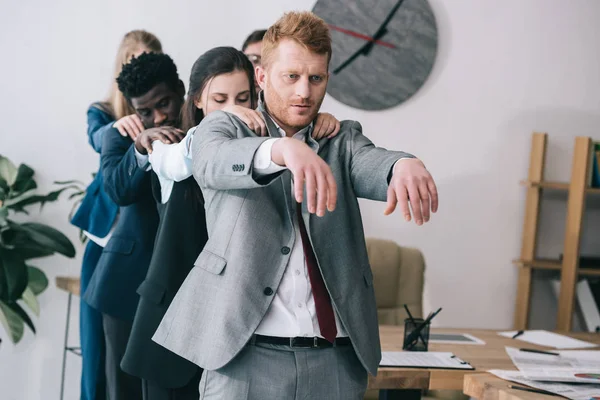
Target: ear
199 103
261 75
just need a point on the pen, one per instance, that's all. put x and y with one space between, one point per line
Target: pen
532 390
549 353
519 333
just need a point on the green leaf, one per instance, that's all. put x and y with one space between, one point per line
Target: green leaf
3 215
18 203
13 324
49 238
38 282
13 275
13 236
22 314
79 193
8 171
31 301
24 181
3 190
69 182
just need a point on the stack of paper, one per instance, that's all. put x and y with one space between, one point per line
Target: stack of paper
574 392
569 366
574 374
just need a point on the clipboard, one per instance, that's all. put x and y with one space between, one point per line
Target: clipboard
423 359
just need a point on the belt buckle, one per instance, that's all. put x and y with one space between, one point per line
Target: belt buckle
314 345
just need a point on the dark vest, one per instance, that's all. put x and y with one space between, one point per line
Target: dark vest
181 236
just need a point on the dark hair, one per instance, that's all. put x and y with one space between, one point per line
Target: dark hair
217 61
254 37
144 72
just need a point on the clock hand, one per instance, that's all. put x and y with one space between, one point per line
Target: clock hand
361 36
366 48
382 29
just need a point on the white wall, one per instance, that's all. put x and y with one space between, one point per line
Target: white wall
504 69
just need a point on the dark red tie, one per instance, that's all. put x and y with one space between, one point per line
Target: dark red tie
322 300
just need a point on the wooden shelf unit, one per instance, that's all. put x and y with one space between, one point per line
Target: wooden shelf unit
577 189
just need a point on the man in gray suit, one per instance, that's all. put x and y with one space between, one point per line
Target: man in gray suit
280 303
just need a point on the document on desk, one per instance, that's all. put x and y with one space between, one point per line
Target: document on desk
549 339
423 359
569 366
573 392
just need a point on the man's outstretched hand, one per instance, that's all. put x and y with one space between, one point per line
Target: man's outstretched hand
307 167
412 183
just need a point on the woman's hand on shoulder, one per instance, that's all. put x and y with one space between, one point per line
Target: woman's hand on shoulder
326 125
252 118
129 125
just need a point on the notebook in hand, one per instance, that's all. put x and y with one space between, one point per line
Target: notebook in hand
423 359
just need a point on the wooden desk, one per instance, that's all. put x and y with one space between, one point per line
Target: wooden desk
490 387
492 355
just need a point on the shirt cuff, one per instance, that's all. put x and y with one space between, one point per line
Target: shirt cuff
142 160
263 165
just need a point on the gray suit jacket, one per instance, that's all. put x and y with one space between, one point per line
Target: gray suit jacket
251 232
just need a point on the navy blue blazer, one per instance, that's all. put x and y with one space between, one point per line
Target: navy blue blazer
125 259
97 212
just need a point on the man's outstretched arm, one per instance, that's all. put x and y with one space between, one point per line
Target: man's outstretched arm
393 176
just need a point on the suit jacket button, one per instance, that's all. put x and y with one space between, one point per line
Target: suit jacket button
285 250
268 291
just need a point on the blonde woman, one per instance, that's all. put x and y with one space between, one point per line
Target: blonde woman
97 215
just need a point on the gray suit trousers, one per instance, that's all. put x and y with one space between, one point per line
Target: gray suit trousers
274 372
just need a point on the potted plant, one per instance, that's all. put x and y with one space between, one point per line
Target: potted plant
21 282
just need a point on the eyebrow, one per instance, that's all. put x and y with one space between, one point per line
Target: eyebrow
225 94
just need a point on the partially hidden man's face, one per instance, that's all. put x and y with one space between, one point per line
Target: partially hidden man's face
294 84
160 106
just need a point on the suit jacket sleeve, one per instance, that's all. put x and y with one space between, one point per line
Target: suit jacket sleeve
223 155
123 178
371 166
99 122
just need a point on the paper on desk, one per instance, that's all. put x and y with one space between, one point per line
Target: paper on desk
570 366
573 392
549 339
422 359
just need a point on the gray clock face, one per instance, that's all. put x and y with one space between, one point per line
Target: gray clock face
382 50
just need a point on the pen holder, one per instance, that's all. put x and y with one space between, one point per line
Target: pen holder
417 341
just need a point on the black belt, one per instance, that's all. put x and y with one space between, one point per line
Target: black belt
300 342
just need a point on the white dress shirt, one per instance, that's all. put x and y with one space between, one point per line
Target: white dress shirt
171 162
292 312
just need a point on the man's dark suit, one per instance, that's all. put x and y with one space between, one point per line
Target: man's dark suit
125 259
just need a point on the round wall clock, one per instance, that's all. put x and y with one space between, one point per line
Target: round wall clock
382 50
